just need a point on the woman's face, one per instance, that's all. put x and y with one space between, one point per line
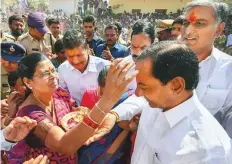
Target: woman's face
45 79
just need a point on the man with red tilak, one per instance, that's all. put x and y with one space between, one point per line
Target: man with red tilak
204 21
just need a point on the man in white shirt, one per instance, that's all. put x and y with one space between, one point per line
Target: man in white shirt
81 70
142 37
204 21
180 130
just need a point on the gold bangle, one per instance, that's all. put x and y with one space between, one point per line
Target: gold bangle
100 109
116 115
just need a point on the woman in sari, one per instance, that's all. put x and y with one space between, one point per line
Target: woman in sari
47 104
97 152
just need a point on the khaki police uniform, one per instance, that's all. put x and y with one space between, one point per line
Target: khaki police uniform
5 87
32 45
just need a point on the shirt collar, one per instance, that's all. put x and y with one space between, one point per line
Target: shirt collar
91 67
95 37
116 45
181 111
31 38
213 56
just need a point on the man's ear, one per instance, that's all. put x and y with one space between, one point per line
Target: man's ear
220 29
177 85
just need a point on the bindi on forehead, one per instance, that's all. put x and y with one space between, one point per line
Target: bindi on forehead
192 17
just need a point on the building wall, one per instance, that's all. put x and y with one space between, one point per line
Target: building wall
148 5
66 5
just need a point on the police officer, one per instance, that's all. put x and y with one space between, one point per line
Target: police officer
38 38
11 53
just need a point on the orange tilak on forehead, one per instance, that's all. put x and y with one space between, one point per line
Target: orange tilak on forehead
192 17
72 52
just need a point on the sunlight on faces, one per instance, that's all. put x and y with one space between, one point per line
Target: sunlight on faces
77 57
45 79
157 94
139 42
199 29
9 66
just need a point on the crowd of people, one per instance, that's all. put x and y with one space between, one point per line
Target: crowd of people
160 94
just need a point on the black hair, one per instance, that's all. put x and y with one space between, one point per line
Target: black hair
119 26
102 76
58 46
15 17
27 67
12 78
89 19
111 26
72 39
179 20
52 21
142 26
172 59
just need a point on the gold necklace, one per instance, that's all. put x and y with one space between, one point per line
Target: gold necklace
45 106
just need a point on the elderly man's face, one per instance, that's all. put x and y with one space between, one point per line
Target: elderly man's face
153 90
199 29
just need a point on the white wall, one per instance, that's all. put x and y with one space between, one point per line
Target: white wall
66 5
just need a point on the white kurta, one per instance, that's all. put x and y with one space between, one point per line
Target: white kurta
185 134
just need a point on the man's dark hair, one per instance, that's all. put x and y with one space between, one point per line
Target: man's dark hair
72 39
142 26
179 20
111 26
16 18
119 26
58 46
52 21
102 76
89 19
172 59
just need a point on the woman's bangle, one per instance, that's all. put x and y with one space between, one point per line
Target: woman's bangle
100 109
115 114
90 123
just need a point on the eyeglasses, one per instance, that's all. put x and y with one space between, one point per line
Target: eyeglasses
48 74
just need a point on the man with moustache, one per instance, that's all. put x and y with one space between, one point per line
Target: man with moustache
38 38
176 28
111 49
204 21
16 25
80 72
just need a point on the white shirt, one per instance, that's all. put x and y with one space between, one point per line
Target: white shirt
215 85
185 134
214 89
75 82
4 144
